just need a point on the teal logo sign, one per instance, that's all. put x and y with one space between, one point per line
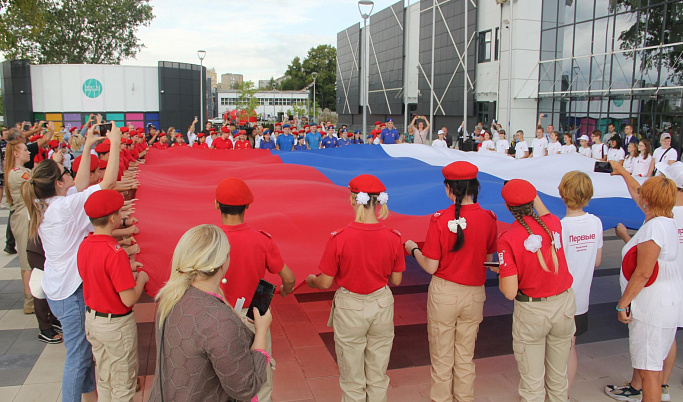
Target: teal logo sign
618 102
92 88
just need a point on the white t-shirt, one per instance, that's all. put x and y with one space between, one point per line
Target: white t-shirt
487 146
502 146
209 141
598 151
539 145
581 237
641 166
568 149
660 304
585 151
554 148
520 148
64 227
616 154
191 138
629 162
439 143
661 155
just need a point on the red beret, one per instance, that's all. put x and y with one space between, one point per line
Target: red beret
628 266
242 122
94 163
178 135
378 123
366 183
306 125
124 129
382 125
35 138
72 129
212 129
53 144
518 192
102 203
278 124
103 164
460 170
163 134
103 147
242 132
225 130
200 135
233 191
295 132
129 142
350 134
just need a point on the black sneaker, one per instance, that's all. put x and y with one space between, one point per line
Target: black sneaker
57 326
10 250
50 336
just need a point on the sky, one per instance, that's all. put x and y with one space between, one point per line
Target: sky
256 38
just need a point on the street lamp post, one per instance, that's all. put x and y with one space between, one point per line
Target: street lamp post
365 8
201 54
315 76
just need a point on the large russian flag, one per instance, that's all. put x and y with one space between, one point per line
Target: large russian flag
301 197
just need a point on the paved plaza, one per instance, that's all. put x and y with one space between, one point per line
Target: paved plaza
303 345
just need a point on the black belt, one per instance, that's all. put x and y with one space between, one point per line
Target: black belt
106 315
524 298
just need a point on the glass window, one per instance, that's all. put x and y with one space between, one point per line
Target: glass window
497 49
565 13
550 13
548 44
584 10
565 41
583 35
485 46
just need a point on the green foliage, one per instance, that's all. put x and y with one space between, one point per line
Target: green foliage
646 32
246 98
323 60
72 31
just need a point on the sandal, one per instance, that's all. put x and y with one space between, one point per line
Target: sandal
50 336
57 326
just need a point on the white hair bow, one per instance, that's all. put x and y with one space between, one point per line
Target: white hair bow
453 225
383 197
362 198
533 243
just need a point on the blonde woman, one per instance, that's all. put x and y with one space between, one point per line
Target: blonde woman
16 155
204 351
76 143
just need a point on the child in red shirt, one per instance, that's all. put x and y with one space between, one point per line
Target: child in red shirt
110 289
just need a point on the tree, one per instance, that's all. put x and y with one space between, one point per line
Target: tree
646 32
322 60
247 102
73 31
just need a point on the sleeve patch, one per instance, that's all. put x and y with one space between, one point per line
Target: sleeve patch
396 232
26 176
116 247
266 234
492 214
336 232
437 214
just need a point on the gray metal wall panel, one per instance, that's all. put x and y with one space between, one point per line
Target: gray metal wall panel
445 57
348 76
386 61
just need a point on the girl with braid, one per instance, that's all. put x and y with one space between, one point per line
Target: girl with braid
534 272
459 240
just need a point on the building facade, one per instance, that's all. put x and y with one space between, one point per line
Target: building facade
581 64
230 81
271 104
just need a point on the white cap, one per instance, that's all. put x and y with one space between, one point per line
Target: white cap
673 171
440 132
583 137
664 136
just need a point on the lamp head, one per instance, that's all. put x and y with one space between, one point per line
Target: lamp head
201 54
365 8
314 75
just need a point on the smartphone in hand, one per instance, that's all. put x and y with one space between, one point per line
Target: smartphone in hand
262 298
602 167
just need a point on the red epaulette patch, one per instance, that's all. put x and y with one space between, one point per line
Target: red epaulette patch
266 234
26 176
394 231
336 232
437 214
116 247
492 214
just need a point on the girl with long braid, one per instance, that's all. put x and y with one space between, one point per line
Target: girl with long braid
459 240
534 272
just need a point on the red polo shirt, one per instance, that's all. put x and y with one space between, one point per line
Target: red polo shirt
220 143
362 256
516 260
243 144
465 266
198 145
105 269
159 145
252 252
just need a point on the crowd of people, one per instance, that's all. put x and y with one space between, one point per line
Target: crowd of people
72 203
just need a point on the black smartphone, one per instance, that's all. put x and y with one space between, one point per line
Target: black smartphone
262 298
602 167
104 128
492 264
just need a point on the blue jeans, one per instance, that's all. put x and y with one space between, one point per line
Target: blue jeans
79 367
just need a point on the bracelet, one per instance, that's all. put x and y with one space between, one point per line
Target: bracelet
123 222
620 309
413 251
264 353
